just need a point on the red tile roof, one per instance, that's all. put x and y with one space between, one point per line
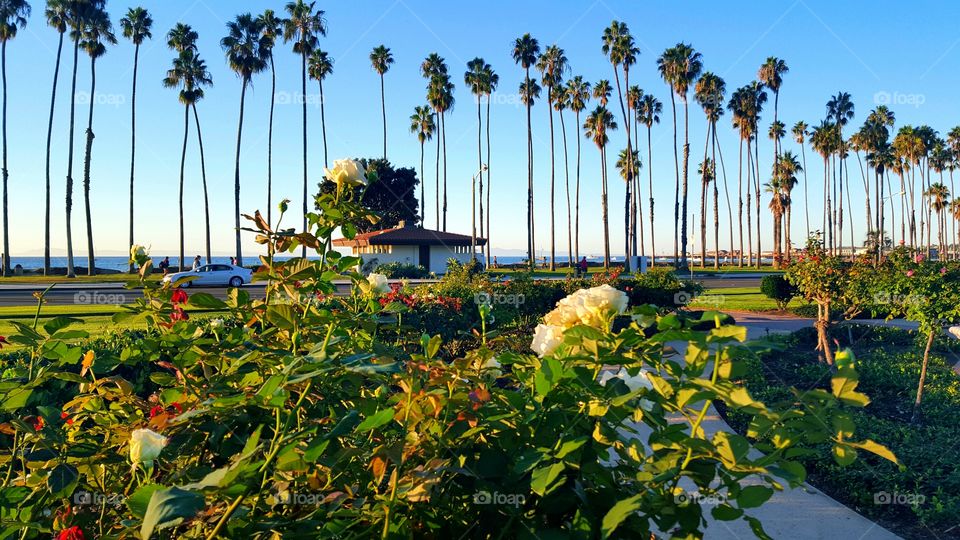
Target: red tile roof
408 236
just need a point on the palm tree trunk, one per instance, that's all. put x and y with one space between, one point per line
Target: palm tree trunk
756 183
566 176
273 94
576 199
749 207
6 223
716 199
489 185
133 140
686 170
603 204
630 172
553 183
726 191
203 177
303 107
703 200
531 254
383 108
183 161
46 221
483 249
653 241
443 134
439 124
473 191
236 177
740 203
69 197
676 187
423 214
91 260
806 199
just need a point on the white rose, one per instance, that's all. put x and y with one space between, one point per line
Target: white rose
346 172
145 446
633 382
378 283
546 339
601 304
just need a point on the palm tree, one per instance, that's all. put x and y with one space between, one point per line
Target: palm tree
57 14
634 97
561 103
189 74
939 197
421 123
440 95
627 167
619 47
552 64
799 132
381 59
596 126
648 113
680 67
271 28
578 94
319 66
303 27
136 26
709 93
526 49
787 169
771 75
708 175
97 30
434 69
246 57
475 78
13 16
840 108
777 204
490 82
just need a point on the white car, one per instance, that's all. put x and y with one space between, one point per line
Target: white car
213 275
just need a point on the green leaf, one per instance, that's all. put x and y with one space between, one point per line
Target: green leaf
282 316
876 448
731 447
61 478
757 528
570 446
15 398
620 512
206 301
543 479
725 512
168 507
376 420
549 374
753 496
140 499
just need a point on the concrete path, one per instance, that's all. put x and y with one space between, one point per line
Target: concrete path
803 513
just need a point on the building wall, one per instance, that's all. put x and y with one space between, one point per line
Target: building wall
400 254
411 255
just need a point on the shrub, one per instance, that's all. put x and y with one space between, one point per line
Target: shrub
778 289
399 270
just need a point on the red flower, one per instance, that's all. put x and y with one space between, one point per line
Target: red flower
177 407
65 416
73 533
909 273
38 423
157 409
179 296
3 341
178 314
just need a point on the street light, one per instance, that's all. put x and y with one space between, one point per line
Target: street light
473 213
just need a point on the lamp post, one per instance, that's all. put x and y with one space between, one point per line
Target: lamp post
473 214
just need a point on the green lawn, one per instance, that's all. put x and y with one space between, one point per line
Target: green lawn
737 299
99 278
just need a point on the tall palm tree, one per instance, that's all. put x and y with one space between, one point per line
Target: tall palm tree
708 175
271 28
634 97
709 93
649 113
57 14
302 27
787 169
561 103
475 78
799 132
434 69
490 82
627 168
619 47
422 123
319 66
771 75
13 16
136 26
97 32
552 64
596 126
381 59
246 57
189 74
526 50
939 197
840 108
440 95
680 67
578 94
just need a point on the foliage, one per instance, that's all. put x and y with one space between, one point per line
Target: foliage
393 197
778 289
399 270
294 415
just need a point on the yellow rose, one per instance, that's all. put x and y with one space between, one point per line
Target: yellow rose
347 172
145 446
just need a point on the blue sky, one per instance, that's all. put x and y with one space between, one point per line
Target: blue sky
879 52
